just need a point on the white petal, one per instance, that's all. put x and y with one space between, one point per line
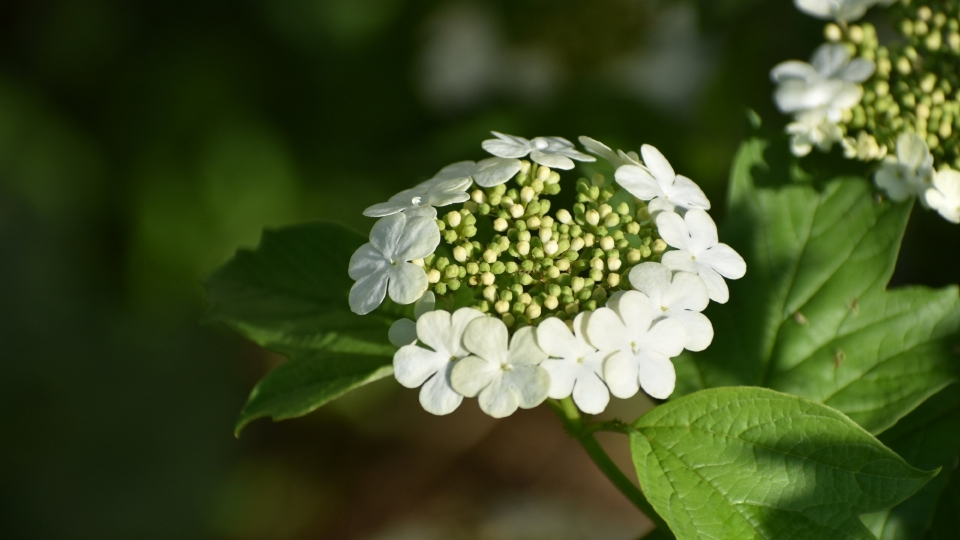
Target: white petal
386 209
365 261
412 365
408 282
495 171
703 231
555 339
554 161
386 233
434 329
696 327
621 373
426 304
458 325
912 150
715 284
498 400
425 211
460 169
793 69
637 312
688 292
368 292
530 385
685 192
420 238
402 332
591 394
658 165
563 374
657 375
724 260
667 337
890 178
858 70
446 199
638 181
830 58
507 146
673 230
487 338
473 374
596 147
437 395
524 350
681 260
652 279
658 205
606 331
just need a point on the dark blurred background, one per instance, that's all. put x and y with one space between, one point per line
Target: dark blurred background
142 142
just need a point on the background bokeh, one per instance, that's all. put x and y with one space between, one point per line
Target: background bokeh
142 142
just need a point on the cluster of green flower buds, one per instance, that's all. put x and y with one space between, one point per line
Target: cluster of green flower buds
524 264
916 85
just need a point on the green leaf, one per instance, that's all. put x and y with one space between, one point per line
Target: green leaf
927 438
297 388
812 317
946 520
290 294
752 463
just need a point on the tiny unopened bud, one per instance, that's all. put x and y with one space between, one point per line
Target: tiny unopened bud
643 214
613 280
453 284
440 288
562 265
498 268
524 167
487 278
433 276
659 246
607 243
614 264
451 271
596 274
605 210
612 220
596 264
832 33
577 244
500 225
545 234
551 302
516 211
533 311
589 240
553 272
527 194
478 196
473 268
509 320
563 216
551 247
533 223
633 227
490 293
576 284
501 307
490 256
453 219
511 267
634 256
523 248
856 34
592 217
459 253
543 173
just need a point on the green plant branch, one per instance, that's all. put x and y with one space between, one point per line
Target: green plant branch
583 432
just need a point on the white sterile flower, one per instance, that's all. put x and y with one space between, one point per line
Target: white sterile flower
659 184
617 159
909 173
489 172
841 10
944 196
575 366
422 199
830 82
680 296
504 377
554 152
812 128
414 365
699 251
404 331
639 347
384 264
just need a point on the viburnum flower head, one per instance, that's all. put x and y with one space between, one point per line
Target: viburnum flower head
944 196
423 199
830 83
910 172
488 172
660 184
699 251
414 365
383 265
504 376
617 159
554 152
575 366
639 347
841 10
680 296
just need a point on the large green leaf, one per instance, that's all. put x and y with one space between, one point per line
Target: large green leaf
291 293
946 521
812 317
927 438
752 463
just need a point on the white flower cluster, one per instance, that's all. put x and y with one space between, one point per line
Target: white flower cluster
616 349
911 174
840 10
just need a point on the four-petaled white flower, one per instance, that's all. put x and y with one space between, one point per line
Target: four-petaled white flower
812 128
830 83
414 365
404 331
617 159
639 347
554 152
699 251
659 184
384 264
575 366
909 173
944 196
422 200
680 296
487 173
505 377
841 10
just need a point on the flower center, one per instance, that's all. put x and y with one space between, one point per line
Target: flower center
453 358
580 360
506 367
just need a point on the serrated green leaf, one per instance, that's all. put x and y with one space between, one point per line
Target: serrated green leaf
297 388
813 317
752 463
927 438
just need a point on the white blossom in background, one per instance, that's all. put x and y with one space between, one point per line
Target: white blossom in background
831 82
487 173
909 173
383 265
812 129
575 366
414 365
699 251
840 10
553 152
617 159
680 296
639 346
660 184
404 331
424 198
944 196
504 376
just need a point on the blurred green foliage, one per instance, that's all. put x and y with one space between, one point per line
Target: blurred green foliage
142 142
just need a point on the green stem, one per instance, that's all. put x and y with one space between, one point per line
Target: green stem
583 432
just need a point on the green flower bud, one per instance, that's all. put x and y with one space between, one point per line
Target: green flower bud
440 288
590 305
525 279
533 311
498 268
